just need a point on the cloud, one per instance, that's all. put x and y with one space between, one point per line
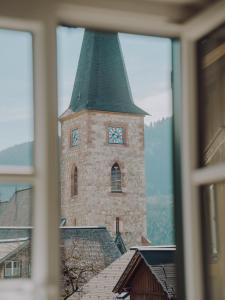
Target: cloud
159 106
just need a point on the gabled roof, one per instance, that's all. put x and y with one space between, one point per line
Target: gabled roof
166 276
158 255
18 210
162 266
100 287
93 245
101 81
10 248
95 241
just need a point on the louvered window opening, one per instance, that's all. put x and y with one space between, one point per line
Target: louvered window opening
116 179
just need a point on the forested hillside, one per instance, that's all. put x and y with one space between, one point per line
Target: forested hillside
158 158
17 155
159 184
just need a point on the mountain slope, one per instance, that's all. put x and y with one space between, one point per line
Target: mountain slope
21 154
158 158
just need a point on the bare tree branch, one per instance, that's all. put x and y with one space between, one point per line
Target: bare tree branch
77 269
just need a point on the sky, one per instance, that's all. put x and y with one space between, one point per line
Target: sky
147 60
16 99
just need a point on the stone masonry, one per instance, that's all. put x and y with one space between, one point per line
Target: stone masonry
94 157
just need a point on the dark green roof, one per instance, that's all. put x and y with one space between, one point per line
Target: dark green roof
92 236
101 81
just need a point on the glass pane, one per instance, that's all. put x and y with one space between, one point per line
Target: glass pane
16 135
8 270
16 98
213 211
16 201
15 230
16 268
211 59
115 126
15 252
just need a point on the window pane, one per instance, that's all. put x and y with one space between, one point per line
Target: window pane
211 58
211 109
16 98
16 221
16 134
16 268
15 252
115 126
213 205
8 269
16 205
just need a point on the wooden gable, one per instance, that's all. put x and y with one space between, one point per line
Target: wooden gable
143 285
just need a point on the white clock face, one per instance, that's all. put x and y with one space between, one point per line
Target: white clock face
116 135
75 137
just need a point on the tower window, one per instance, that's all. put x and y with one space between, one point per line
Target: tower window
74 183
116 179
118 226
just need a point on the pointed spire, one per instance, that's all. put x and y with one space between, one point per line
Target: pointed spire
101 81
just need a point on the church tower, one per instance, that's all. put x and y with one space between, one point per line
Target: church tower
102 159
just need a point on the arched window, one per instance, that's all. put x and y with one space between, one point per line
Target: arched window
116 179
74 184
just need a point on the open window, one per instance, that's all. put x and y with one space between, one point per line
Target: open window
203 144
106 184
126 136
199 206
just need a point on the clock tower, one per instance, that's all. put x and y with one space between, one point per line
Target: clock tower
102 159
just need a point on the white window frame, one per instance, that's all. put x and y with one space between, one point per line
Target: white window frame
41 20
193 176
43 176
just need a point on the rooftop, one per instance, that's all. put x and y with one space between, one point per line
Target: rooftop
101 81
100 287
161 263
95 241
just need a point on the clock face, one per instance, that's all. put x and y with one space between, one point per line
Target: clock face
116 135
74 137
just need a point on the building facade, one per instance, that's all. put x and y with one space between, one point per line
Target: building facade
102 158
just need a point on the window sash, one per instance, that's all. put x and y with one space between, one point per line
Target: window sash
44 174
41 21
192 176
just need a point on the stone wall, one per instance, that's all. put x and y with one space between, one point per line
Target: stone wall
95 204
